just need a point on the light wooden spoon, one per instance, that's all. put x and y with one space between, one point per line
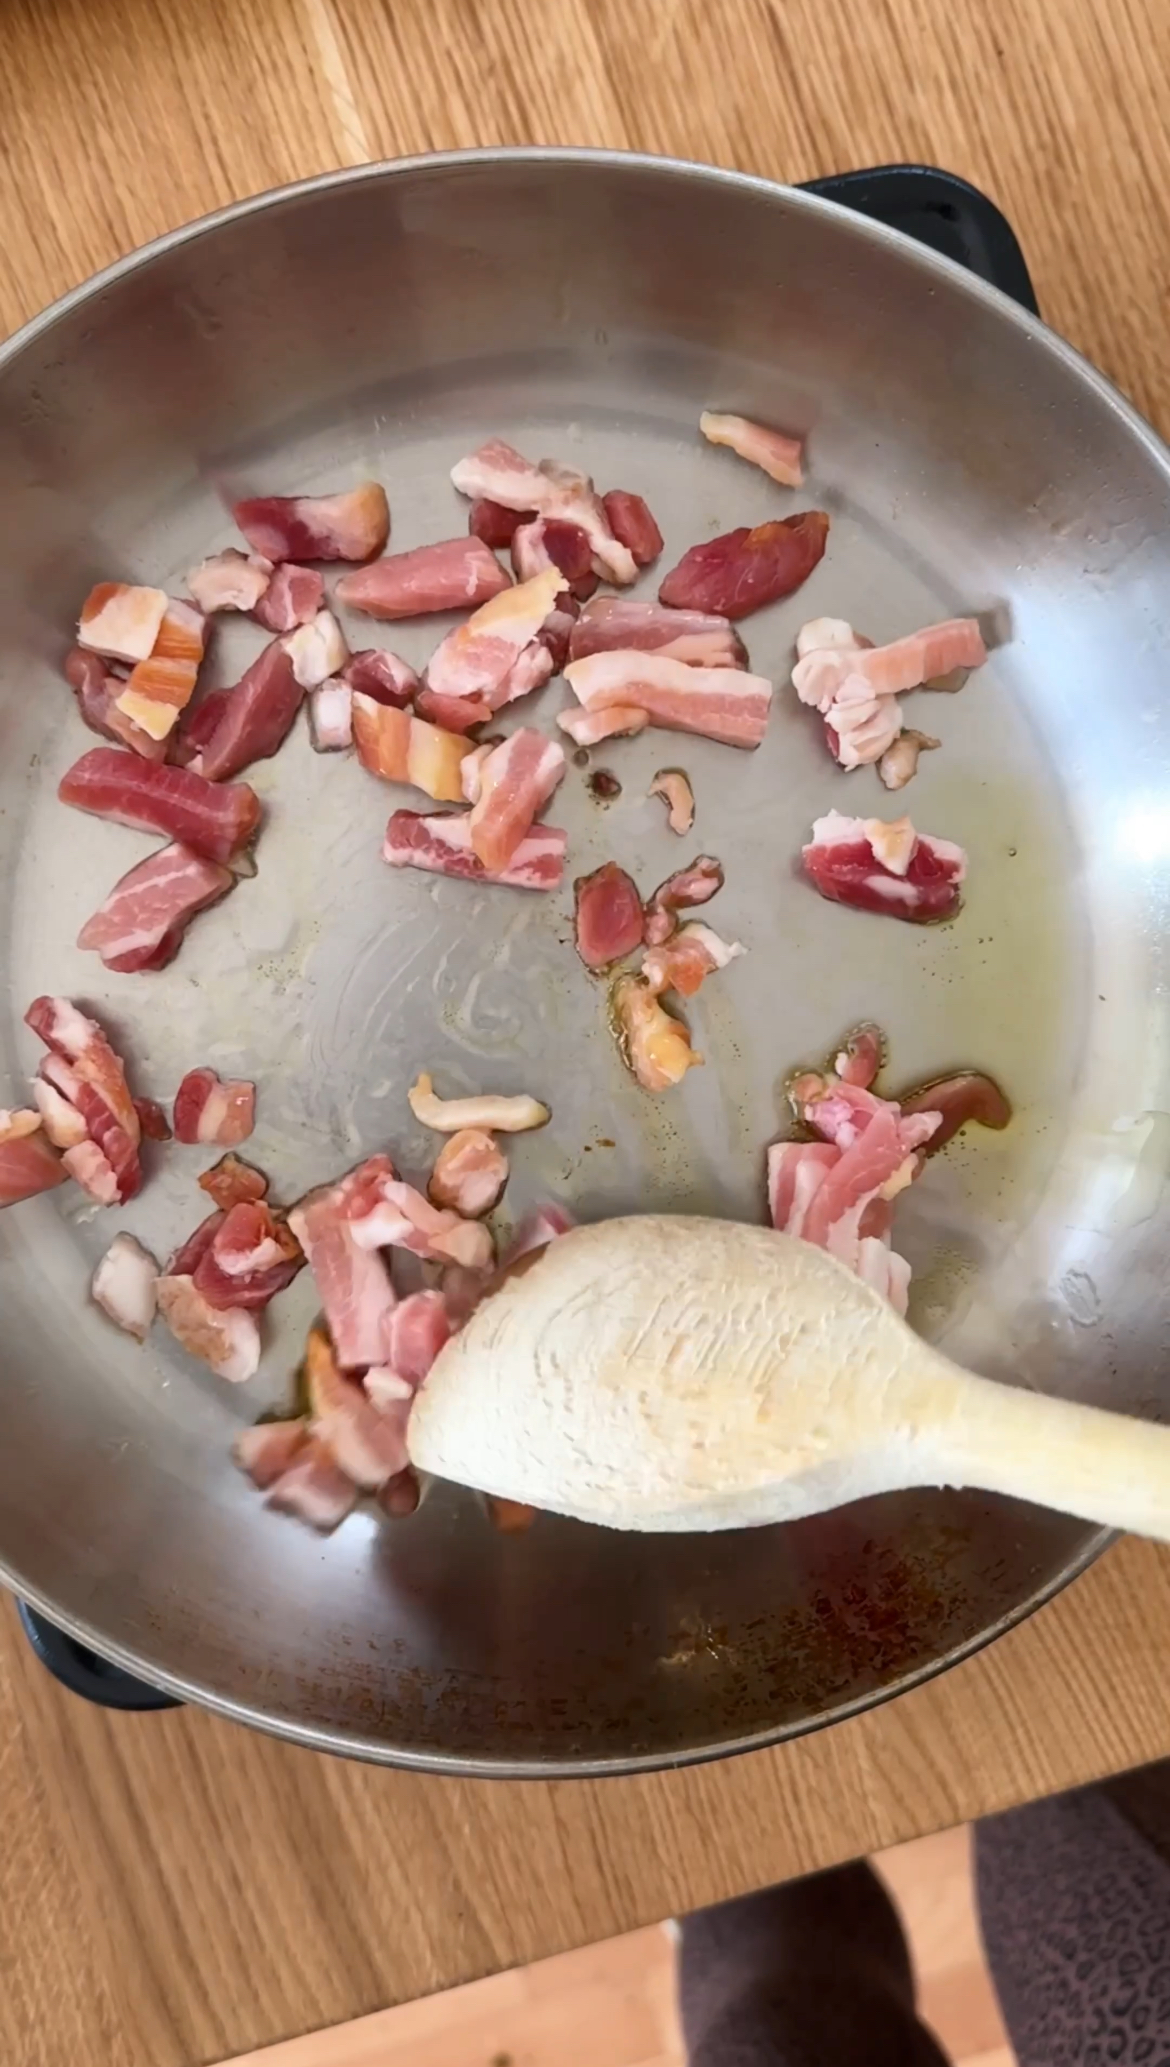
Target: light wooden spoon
660 1373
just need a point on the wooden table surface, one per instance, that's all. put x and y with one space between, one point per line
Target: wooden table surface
174 1890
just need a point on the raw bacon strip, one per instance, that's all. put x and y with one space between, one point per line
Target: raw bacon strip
609 721
551 542
123 1285
354 1285
293 596
28 1162
608 917
498 473
93 1079
899 764
860 727
225 1338
531 671
841 861
721 703
317 650
494 524
780 457
441 844
96 690
93 1170
251 1257
503 1115
673 786
654 1045
399 1217
367 1442
458 573
59 1116
889 670
207 1110
401 748
232 1182
796 1170
557 629
266 1451
684 962
314 1489
352 525
453 713
217 819
629 624
143 920
516 780
470 1173
419 1328
197 726
682 891
162 686
230 580
969 1095
478 656
331 717
633 525
189 1255
823 633
745 569
380 674
122 621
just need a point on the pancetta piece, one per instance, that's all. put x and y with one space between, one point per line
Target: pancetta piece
351 525
97 688
208 1110
653 1044
232 1182
632 522
889 670
517 1114
457 574
251 1256
382 675
500 474
230 580
314 1488
396 1216
420 1326
513 782
470 1173
123 1285
317 650
548 542
160 687
367 1441
143 920
959 1099
293 596
609 922
780 457
477 658
267 1450
227 1339
899 763
884 867
399 747
354 1284
673 786
608 721
494 524
633 624
684 962
28 1161
215 818
331 717
745 569
441 844
683 891
88 1075
121 620
859 1061
721 703
453 713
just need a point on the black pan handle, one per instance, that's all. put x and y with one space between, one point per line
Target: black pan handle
84 1673
942 211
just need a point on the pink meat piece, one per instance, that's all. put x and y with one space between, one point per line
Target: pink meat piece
453 713
531 671
780 457
889 670
367 1439
91 1168
969 1095
516 780
331 717
498 473
399 1217
494 524
470 1173
841 861
860 1059
189 1255
217 819
197 726
631 624
225 1338
232 1182
721 703
381 675
478 656
441 844
354 1285
352 525
682 891
420 1327
266 1451
551 542
152 1120
609 721
632 523
745 569
546 1224
796 1170
314 1489
87 1072
230 580
861 727
293 596
684 962
458 574
255 717
317 650
159 688
609 921
250 1258
143 920
60 1117
96 689
210 1111
557 629
28 1162
122 621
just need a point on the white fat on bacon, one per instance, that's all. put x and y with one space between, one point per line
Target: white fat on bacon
317 650
123 1285
499 1115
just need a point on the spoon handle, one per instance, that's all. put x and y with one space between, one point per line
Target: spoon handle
1103 1467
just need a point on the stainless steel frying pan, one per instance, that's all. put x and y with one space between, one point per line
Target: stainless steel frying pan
383 322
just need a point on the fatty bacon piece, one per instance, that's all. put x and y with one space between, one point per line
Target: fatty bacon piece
97 689
470 1173
121 621
161 686
780 457
967 1096
548 542
631 624
143 920
899 763
351 525
233 1182
87 1075
745 569
331 717
457 574
859 1061
883 866
317 650
230 580
441 845
294 596
682 891
518 1113
654 1045
227 1339
217 819
251 1257
123 1285
726 704
608 721
393 1215
908 663
609 920
673 786
477 658
684 962
498 473
353 1282
494 524
366 1440
28 1162
512 783
210 1111
632 522
399 747
381 675
454 713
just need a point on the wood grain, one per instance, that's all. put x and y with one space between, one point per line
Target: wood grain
174 1890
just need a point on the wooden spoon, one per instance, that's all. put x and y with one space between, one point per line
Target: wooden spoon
660 1373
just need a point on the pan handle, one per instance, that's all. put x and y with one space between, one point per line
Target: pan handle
942 211
83 1672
